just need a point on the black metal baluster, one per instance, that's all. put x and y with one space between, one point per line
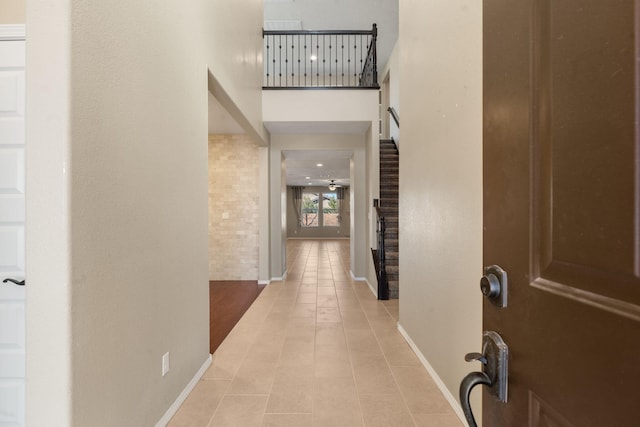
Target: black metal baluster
324 60
355 58
268 63
298 59
331 44
336 61
361 64
290 62
273 53
310 61
324 73
342 56
330 47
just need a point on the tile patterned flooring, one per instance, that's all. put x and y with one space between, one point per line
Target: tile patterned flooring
316 349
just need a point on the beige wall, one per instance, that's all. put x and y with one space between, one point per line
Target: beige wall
393 72
12 11
320 105
117 247
233 208
264 220
232 38
441 183
293 231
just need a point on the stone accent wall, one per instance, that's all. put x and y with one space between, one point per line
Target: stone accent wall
233 208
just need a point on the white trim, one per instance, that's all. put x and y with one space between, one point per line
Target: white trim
264 282
319 238
281 278
436 378
9 32
183 396
374 291
356 278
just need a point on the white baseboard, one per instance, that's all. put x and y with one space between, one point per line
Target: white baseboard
364 279
319 238
264 282
436 378
356 278
374 291
183 396
281 278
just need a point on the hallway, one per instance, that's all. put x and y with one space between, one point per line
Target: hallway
316 350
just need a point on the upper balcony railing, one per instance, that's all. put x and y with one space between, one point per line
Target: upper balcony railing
320 59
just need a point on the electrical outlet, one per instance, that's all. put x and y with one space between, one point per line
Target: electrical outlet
165 364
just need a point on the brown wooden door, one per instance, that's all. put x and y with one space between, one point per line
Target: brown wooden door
562 208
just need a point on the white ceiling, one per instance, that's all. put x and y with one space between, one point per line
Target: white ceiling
301 164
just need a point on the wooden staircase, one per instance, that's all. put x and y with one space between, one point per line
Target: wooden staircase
389 171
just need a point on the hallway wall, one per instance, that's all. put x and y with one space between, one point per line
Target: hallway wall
117 198
232 39
393 68
12 11
441 183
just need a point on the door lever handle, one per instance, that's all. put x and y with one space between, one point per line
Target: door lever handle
494 359
468 383
471 357
19 283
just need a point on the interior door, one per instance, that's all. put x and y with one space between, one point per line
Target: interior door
562 208
12 297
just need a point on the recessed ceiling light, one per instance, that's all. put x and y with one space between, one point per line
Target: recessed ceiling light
313 57
319 165
309 183
307 177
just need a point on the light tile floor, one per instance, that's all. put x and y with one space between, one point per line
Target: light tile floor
317 350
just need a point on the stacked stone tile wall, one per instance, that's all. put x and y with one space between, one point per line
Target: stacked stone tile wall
233 208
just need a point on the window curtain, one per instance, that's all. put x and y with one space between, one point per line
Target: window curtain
340 193
297 203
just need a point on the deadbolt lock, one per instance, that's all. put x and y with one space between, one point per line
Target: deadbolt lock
494 285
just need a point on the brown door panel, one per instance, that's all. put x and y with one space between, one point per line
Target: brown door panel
561 209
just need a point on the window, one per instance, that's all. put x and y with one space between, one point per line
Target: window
309 217
325 215
330 210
